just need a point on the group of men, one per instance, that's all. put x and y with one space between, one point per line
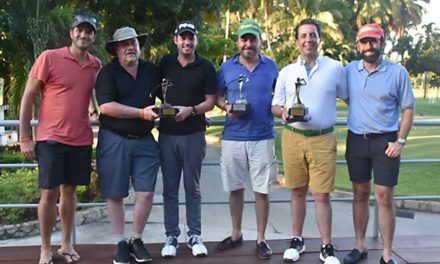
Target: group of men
126 90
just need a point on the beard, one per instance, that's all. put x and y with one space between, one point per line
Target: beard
371 58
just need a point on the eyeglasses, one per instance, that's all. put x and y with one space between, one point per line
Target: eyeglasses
369 40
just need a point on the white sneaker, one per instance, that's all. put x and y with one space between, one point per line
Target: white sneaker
327 255
170 247
297 247
195 243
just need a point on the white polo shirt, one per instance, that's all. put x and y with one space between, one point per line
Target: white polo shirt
326 82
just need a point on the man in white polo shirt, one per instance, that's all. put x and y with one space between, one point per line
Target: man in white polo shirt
309 146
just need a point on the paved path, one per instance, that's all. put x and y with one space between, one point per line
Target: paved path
216 220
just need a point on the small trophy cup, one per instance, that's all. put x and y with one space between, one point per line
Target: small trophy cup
165 109
298 110
240 106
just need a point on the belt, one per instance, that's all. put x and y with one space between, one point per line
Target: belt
127 135
374 135
310 133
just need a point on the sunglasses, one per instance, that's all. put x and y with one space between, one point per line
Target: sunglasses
369 40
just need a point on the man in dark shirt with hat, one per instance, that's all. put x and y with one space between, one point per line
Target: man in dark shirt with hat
126 147
182 138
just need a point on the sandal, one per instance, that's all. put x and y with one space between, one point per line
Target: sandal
69 258
49 262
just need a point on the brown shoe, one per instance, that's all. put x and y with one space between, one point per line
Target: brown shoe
228 243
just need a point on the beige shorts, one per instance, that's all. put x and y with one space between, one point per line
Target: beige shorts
309 161
248 159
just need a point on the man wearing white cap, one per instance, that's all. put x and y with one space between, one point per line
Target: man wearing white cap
378 90
126 148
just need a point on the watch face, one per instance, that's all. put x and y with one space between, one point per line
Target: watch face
402 140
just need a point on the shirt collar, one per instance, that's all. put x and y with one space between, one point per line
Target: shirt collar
302 62
381 68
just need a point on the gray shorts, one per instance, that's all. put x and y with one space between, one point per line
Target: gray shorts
255 160
366 154
119 158
62 164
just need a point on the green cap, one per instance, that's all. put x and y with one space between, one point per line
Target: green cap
249 27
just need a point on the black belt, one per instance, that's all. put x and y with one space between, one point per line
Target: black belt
374 135
129 136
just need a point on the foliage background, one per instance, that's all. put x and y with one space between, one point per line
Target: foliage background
27 27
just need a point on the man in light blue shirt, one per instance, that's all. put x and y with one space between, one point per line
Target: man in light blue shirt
378 89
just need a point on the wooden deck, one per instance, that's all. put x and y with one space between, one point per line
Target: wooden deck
406 250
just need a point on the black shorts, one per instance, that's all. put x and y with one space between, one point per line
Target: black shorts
366 154
63 164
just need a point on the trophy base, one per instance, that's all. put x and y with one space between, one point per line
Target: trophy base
297 114
166 111
240 108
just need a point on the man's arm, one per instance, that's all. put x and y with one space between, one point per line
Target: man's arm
27 145
395 148
203 107
118 110
279 111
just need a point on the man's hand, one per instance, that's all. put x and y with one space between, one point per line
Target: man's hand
148 113
27 148
184 112
228 109
394 149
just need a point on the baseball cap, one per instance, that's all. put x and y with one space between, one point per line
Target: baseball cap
369 31
79 19
185 26
249 27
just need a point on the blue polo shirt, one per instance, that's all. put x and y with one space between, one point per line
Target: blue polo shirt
376 98
257 89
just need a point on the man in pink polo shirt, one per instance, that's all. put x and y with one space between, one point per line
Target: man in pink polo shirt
64 78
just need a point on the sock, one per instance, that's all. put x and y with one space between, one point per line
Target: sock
135 235
120 237
299 237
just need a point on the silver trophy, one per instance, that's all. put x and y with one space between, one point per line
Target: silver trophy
240 106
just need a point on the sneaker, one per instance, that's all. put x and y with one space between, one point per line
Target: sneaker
169 250
297 247
122 255
391 261
138 251
195 243
355 256
263 250
228 243
327 255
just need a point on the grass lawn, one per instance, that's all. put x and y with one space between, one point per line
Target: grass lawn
423 143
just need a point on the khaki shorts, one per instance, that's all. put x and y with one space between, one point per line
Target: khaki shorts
309 161
253 159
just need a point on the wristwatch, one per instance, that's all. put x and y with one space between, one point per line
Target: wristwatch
401 140
194 111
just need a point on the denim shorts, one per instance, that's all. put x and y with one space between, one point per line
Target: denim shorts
120 159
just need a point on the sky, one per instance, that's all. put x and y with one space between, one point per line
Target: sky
432 14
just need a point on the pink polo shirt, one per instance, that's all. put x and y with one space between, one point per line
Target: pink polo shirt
65 94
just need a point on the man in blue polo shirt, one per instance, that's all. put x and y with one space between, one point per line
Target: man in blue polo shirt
309 148
248 146
377 89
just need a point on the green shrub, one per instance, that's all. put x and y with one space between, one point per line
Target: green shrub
20 186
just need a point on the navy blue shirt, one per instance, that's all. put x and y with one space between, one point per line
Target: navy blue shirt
115 84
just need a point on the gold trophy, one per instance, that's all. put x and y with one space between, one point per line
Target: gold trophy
165 109
298 110
240 106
